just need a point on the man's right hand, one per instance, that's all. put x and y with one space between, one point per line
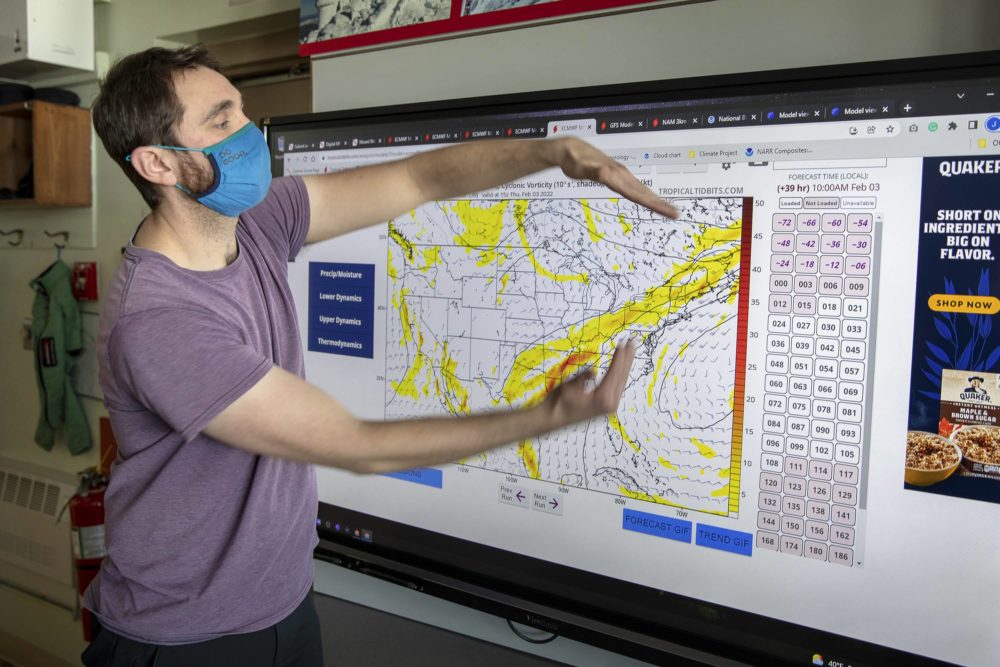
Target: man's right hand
576 400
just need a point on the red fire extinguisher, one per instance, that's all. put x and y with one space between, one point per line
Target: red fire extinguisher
86 515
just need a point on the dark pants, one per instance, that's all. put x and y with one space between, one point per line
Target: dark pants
293 642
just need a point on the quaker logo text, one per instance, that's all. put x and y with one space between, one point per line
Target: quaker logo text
975 391
949 168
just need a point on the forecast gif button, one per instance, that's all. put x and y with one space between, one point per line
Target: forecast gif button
546 502
512 494
724 539
656 525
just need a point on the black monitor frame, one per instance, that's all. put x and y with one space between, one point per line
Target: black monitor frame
652 625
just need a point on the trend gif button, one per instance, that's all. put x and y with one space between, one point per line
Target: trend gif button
724 539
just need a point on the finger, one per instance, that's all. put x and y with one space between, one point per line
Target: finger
582 377
577 384
625 362
624 183
613 384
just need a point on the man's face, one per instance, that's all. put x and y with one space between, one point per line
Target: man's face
213 110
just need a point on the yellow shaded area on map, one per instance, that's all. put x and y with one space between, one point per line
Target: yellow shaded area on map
704 449
453 385
408 385
399 302
520 214
483 226
391 268
530 457
617 426
588 217
432 256
537 369
404 243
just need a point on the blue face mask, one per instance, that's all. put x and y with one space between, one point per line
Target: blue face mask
242 168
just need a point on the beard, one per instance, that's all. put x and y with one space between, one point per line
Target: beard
195 175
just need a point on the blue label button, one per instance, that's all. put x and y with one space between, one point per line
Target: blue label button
724 539
342 309
993 124
656 525
426 476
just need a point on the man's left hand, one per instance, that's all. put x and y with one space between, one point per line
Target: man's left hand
580 160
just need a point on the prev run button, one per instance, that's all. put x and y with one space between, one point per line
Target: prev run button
654 524
724 539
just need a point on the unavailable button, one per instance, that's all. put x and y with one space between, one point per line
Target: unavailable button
511 494
724 539
659 526
544 502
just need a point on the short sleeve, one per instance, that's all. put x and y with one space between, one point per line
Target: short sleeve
283 217
184 365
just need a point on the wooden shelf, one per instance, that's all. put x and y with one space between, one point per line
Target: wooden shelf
18 202
17 109
54 140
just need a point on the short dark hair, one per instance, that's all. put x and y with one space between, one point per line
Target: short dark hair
137 105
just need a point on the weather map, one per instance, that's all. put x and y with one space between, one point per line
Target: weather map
492 303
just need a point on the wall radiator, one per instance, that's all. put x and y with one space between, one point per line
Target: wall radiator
35 552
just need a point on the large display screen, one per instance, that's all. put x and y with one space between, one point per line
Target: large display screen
805 467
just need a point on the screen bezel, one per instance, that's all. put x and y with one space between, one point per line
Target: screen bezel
494 580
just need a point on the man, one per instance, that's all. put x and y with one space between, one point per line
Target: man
976 385
212 503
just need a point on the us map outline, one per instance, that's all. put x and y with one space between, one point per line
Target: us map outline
492 302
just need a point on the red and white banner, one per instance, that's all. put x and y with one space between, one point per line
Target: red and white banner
338 25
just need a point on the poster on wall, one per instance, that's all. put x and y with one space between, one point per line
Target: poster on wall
327 26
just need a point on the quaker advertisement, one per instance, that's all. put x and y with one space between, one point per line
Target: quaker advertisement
953 441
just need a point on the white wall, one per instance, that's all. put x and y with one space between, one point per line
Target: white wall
715 37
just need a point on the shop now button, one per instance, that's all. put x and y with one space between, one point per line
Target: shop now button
962 303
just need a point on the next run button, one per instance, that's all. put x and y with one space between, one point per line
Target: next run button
654 524
724 539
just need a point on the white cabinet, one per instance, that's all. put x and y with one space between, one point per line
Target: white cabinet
38 36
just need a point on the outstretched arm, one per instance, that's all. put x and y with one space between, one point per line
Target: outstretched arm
286 417
356 198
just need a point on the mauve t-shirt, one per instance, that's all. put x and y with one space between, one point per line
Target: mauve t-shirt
204 539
